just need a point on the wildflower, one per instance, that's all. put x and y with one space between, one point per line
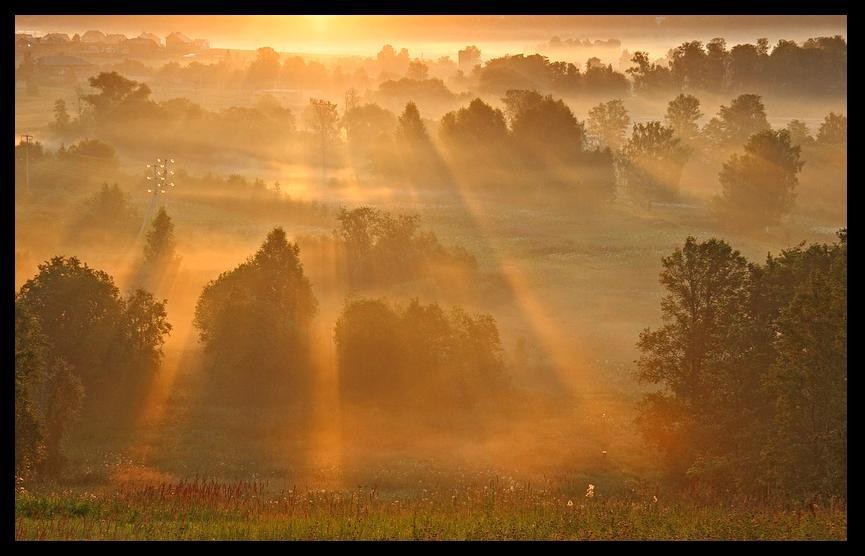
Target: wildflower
590 492
570 503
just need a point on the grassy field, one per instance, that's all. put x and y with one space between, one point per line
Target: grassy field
497 510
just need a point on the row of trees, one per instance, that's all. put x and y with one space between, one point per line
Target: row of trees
751 361
402 357
817 67
254 322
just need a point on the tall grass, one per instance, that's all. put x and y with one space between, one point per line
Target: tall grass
499 510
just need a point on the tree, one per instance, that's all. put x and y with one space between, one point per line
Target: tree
63 394
382 248
688 65
84 320
652 161
683 113
399 357
417 70
694 357
758 187
717 59
518 101
752 364
607 123
254 320
144 327
476 127
547 130
322 118
833 130
410 127
107 217
30 353
800 135
265 69
807 450
745 116
650 79
114 90
160 245
61 116
368 126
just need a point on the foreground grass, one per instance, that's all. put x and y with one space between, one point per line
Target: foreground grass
223 511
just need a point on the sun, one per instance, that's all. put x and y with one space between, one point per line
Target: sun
319 22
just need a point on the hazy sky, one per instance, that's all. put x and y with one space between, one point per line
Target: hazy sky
440 35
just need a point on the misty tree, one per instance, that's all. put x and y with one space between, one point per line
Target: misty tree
695 358
107 217
370 126
399 357
688 66
382 248
114 91
410 127
652 161
800 135
751 364
759 185
160 244
833 130
478 126
745 116
546 129
417 70
322 118
254 320
683 113
30 353
61 116
516 101
806 451
264 71
62 397
112 343
608 122
650 79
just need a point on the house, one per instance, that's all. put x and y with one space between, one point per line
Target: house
152 37
200 45
178 43
115 38
141 46
56 38
94 37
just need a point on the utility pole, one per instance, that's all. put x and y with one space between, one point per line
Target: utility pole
26 143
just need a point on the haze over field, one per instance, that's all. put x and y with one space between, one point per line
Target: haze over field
371 261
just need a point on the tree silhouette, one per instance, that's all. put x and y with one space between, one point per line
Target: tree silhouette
833 130
683 113
745 116
160 244
652 161
254 320
694 356
758 187
608 122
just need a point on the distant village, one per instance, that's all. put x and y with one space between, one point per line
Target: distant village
60 56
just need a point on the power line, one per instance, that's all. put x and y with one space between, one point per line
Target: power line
160 182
